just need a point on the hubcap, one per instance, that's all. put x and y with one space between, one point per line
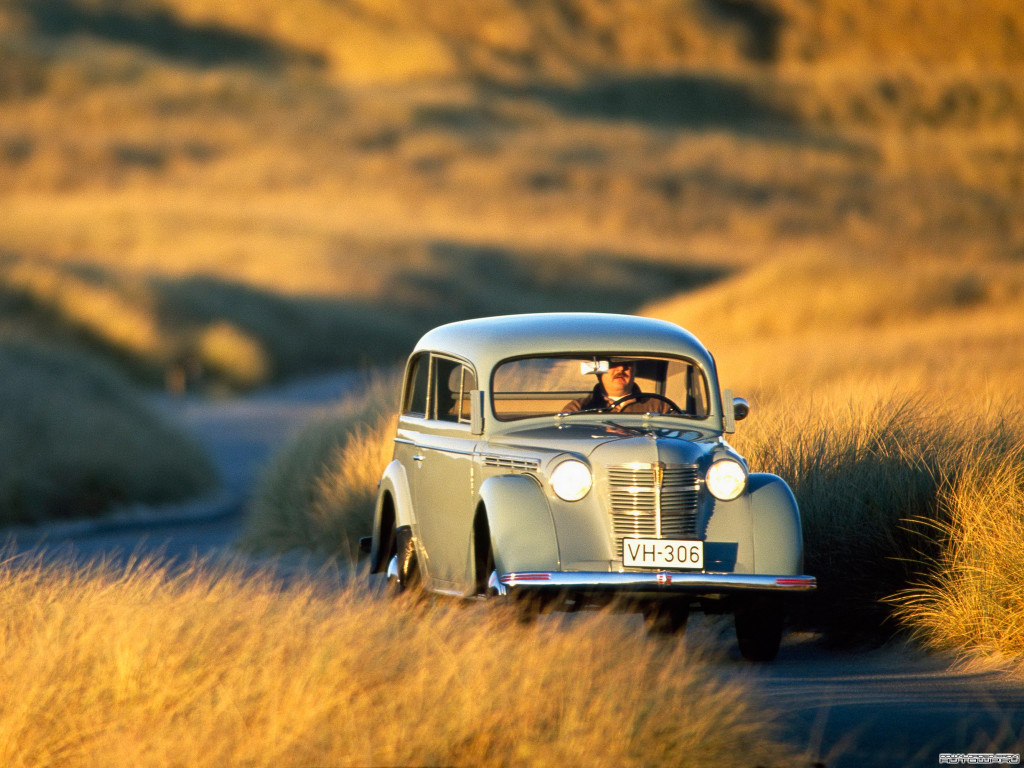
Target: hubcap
394 577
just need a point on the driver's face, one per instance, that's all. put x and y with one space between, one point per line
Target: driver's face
618 382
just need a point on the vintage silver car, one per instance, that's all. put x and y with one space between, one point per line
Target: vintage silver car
570 459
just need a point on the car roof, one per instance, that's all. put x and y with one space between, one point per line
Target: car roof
489 340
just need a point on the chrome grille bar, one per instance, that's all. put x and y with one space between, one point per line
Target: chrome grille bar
653 501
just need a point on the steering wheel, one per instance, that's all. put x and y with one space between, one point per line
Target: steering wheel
644 396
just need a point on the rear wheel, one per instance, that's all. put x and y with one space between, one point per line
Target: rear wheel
758 626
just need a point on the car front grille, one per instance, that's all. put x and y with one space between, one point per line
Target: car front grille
653 501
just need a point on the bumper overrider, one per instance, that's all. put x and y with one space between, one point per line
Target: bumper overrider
650 581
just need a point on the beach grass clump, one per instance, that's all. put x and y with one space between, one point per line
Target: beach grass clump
863 476
972 601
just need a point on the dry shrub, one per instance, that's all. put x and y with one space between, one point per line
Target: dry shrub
75 439
215 665
228 352
319 492
973 602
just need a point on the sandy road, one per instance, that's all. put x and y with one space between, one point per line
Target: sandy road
889 707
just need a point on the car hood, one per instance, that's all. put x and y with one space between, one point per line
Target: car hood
616 442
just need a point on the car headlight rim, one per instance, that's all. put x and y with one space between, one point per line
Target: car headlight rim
726 479
571 480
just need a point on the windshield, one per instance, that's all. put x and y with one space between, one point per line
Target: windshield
610 383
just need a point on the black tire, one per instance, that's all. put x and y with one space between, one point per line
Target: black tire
759 626
666 617
403 574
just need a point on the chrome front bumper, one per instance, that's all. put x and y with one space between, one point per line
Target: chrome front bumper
648 581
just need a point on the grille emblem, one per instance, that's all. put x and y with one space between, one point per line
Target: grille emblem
659 474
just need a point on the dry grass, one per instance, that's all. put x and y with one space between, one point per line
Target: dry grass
273 161
875 387
76 439
972 603
216 665
319 493
298 185
860 474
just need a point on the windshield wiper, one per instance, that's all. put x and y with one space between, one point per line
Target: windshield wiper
627 428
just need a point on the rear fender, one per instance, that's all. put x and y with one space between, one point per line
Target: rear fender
522 531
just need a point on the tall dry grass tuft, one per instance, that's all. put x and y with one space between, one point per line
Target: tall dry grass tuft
215 665
319 492
861 475
973 602
346 492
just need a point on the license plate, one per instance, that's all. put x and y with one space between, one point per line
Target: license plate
662 553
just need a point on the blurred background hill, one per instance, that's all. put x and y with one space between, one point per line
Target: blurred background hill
212 195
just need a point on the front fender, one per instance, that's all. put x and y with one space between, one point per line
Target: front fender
777 533
393 510
519 519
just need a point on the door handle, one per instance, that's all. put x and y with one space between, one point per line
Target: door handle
417 458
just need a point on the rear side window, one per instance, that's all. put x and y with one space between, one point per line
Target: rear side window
439 388
415 402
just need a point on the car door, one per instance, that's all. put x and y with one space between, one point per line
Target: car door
442 473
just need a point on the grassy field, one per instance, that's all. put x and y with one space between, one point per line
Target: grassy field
218 665
75 439
208 196
256 189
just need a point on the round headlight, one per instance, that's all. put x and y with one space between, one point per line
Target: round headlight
726 479
571 480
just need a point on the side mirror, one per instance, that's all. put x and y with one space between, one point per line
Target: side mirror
476 411
740 408
733 409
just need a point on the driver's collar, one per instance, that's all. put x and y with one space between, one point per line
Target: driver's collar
613 402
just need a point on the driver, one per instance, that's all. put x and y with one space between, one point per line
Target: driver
617 392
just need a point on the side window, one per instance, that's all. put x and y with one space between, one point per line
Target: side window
468 385
452 384
415 402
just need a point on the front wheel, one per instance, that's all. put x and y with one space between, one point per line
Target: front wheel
403 574
758 626
666 617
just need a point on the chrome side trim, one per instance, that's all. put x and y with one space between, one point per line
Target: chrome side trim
673 581
455 451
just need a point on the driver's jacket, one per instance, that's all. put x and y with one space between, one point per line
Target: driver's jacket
599 399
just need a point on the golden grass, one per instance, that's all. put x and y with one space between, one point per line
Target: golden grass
319 493
213 665
643 132
874 387
972 601
333 179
